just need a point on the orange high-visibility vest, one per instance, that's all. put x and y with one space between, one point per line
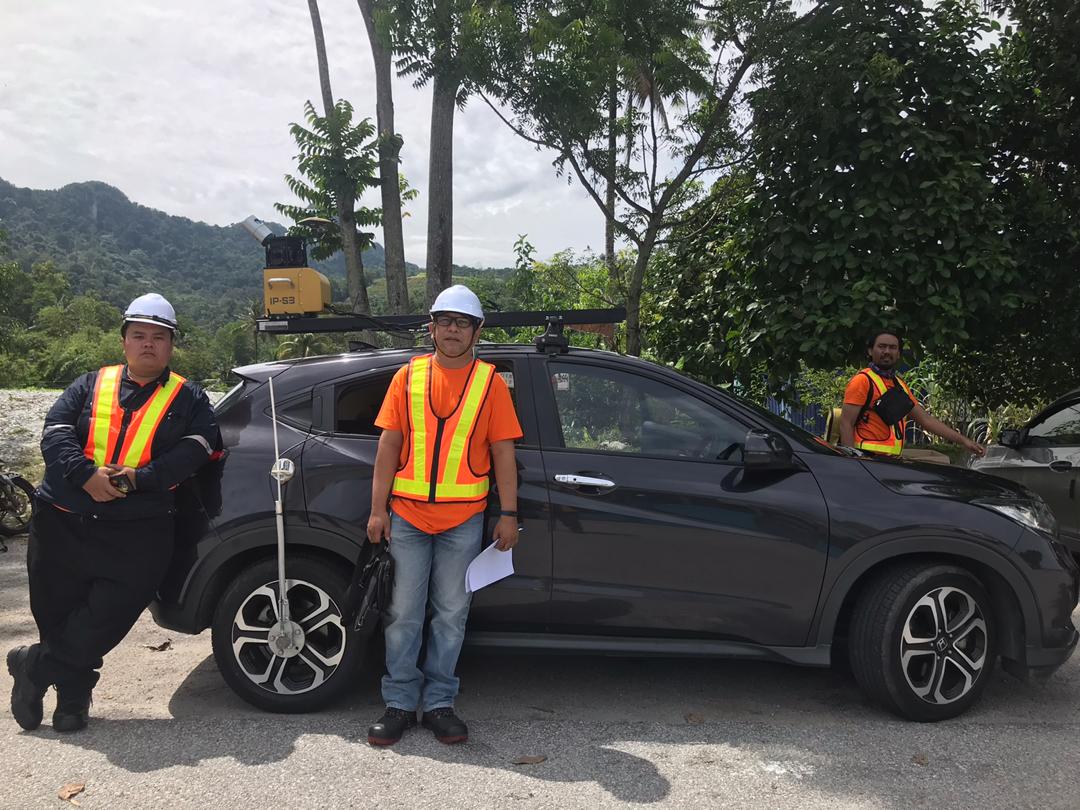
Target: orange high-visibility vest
437 468
104 444
893 445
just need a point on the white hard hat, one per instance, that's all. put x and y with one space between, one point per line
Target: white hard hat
458 298
151 308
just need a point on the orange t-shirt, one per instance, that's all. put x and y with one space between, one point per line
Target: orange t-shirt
495 422
874 429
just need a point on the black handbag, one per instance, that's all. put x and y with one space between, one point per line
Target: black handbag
368 596
893 405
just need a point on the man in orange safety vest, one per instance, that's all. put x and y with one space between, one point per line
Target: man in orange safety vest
447 421
116 444
878 404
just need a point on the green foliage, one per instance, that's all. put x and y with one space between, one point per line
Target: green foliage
338 160
871 198
1030 354
302 345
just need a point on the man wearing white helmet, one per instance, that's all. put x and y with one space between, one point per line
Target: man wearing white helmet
447 421
116 444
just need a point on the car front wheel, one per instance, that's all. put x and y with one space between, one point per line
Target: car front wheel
922 640
305 672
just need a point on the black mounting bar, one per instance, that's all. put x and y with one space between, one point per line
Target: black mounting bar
405 323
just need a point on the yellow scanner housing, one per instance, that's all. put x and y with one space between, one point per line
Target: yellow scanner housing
295 291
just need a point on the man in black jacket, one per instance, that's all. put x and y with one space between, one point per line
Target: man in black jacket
116 444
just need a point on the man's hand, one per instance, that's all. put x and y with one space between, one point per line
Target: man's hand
100 488
506 533
973 447
378 526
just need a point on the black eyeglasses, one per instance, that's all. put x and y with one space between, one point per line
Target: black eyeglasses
460 323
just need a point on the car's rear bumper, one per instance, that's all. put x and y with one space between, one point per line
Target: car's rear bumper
172 617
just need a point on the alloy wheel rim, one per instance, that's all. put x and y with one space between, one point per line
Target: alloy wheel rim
943 646
324 638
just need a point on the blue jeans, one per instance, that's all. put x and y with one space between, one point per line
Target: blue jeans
427 567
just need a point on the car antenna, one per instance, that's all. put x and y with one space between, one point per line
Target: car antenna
285 638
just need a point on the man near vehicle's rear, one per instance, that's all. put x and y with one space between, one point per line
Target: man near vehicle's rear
116 444
447 422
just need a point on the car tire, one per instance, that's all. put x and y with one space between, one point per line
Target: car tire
922 640
329 656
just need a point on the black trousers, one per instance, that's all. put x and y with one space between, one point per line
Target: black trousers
89 582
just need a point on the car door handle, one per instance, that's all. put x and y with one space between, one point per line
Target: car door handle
1060 466
584 481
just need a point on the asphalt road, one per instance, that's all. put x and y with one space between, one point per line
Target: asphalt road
167 732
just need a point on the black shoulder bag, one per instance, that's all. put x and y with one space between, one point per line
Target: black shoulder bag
368 596
892 406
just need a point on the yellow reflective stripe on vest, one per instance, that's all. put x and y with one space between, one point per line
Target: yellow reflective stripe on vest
150 420
459 441
107 391
878 382
893 449
419 374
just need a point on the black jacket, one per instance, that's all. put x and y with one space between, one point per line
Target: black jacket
184 441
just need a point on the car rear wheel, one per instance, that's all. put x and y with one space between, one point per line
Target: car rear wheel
922 640
321 661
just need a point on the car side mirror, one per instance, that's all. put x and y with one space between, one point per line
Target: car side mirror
766 450
1011 438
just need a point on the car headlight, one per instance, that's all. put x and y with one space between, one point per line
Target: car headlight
1033 513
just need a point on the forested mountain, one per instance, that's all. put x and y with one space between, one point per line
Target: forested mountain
108 245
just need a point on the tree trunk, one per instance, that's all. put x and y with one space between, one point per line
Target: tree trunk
609 197
440 235
354 261
320 55
397 292
634 340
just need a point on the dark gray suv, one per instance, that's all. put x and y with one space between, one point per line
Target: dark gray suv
660 516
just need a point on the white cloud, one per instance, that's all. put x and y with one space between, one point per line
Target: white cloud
185 107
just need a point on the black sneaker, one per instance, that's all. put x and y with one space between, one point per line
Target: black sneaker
72 711
447 726
388 729
26 695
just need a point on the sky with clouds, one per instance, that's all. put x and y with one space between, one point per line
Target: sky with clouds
185 107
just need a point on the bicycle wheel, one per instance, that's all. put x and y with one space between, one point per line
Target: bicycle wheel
16 505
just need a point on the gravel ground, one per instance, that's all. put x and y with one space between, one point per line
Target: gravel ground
20 429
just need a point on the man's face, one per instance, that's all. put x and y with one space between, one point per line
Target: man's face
886 350
452 332
148 348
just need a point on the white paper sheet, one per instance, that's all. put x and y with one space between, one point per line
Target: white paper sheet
490 565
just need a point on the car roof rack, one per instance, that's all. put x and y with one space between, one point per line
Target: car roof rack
552 341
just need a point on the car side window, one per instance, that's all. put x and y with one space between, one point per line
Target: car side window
613 411
1059 429
356 404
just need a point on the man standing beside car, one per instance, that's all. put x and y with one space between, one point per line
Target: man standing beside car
446 421
877 404
116 444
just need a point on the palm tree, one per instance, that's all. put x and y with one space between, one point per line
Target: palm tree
301 345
